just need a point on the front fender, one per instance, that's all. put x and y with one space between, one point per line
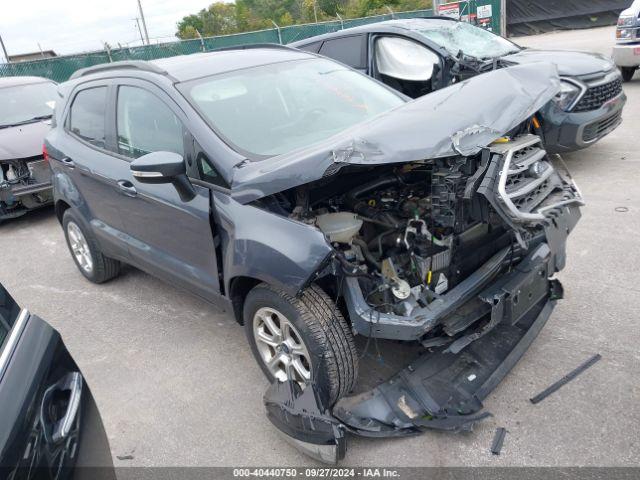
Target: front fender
265 246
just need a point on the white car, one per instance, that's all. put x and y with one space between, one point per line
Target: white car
626 53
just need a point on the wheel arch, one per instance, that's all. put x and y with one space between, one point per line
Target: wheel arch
239 288
60 207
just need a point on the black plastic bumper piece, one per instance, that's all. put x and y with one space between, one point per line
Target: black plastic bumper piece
305 422
441 390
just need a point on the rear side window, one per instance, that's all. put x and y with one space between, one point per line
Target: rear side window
348 50
146 124
87 119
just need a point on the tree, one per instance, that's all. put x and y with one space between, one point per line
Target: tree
219 19
222 18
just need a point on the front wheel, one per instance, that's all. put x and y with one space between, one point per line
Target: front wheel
302 339
628 73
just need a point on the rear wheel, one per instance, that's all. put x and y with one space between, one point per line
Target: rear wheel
86 252
628 73
302 339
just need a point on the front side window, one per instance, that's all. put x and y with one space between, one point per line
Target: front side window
471 40
26 103
146 124
87 119
274 109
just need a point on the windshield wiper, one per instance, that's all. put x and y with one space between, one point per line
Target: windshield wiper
29 120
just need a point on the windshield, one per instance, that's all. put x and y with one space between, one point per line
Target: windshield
277 108
473 41
22 103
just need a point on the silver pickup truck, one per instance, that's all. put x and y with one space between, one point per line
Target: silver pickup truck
626 53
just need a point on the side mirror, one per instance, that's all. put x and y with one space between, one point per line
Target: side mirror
158 167
164 167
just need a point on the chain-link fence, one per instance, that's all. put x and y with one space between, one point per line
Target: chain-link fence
61 68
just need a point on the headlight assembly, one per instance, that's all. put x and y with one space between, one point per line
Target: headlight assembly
568 95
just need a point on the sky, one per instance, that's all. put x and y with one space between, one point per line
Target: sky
72 26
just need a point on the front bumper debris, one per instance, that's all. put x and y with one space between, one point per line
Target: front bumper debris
443 389
305 422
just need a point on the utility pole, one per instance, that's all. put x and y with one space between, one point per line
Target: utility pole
4 50
144 24
139 29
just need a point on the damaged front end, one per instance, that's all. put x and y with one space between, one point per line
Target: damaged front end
25 184
465 268
456 252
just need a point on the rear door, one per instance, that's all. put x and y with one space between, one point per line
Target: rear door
84 158
49 423
167 237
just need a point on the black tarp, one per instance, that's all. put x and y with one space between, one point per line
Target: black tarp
526 17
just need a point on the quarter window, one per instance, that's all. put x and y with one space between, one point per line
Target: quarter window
146 124
87 115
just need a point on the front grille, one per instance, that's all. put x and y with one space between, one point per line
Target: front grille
595 130
597 96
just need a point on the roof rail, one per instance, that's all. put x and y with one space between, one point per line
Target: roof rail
125 64
437 17
254 45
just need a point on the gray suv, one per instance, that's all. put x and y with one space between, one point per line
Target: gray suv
319 205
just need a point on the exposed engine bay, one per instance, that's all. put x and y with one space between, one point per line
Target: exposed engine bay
399 231
24 185
406 235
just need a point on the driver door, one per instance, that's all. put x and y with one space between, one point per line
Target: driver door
166 236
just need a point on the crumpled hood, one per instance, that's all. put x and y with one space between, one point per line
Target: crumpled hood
23 141
461 119
570 64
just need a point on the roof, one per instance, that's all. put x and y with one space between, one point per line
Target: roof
388 26
15 81
188 67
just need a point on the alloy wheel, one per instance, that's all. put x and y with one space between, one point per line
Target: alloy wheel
79 247
281 347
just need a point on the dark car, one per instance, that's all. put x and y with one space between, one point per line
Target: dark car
308 199
418 56
26 106
50 427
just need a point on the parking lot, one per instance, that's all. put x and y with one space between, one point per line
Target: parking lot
176 383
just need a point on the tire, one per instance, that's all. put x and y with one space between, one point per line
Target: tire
323 331
628 73
102 268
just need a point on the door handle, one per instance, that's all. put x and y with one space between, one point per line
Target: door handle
55 432
67 162
127 188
